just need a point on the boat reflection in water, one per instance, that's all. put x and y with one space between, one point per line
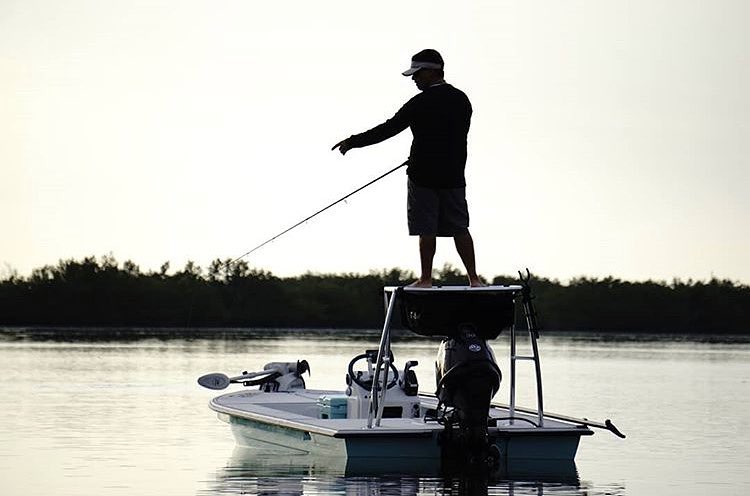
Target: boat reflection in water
278 470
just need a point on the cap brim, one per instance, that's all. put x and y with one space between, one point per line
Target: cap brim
410 71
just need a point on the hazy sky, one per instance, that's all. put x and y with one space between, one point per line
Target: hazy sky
608 137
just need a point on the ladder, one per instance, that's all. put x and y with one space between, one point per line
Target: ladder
533 330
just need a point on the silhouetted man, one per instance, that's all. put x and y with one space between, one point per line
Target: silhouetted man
439 119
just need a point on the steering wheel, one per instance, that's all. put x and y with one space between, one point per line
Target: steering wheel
367 385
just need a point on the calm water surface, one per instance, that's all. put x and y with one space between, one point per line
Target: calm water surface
127 417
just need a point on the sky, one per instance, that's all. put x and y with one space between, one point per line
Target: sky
609 138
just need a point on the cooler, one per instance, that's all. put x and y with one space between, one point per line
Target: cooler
332 406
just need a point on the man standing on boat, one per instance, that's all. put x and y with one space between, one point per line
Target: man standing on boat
439 119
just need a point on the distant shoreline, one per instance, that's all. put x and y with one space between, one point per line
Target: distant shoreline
103 294
133 334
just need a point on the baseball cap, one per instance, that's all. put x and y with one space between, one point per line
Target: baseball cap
426 59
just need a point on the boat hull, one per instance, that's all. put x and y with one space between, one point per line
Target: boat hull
256 423
539 447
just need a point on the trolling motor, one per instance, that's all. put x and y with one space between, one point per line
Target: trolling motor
466 371
275 377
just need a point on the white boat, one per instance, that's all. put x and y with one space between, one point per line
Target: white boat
379 412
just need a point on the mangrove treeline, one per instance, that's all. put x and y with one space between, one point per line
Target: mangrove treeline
101 292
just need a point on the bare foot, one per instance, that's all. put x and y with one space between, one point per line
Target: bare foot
421 283
476 283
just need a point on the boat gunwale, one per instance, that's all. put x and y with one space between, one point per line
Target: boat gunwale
425 430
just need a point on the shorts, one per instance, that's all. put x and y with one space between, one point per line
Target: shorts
436 212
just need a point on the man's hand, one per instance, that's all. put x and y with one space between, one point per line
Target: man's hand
343 147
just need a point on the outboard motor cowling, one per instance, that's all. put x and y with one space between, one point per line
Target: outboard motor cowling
467 379
467 374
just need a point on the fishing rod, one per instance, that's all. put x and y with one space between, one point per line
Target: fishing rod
316 213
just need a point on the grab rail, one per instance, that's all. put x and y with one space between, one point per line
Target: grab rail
376 403
533 329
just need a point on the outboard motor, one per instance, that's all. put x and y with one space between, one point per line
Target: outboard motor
467 378
466 371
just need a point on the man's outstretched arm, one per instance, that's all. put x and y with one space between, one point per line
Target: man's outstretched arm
382 132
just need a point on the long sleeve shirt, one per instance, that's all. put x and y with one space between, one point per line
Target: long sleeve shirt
439 118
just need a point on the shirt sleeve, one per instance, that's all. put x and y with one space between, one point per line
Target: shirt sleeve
382 132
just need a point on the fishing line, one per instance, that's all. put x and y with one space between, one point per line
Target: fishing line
316 213
230 263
